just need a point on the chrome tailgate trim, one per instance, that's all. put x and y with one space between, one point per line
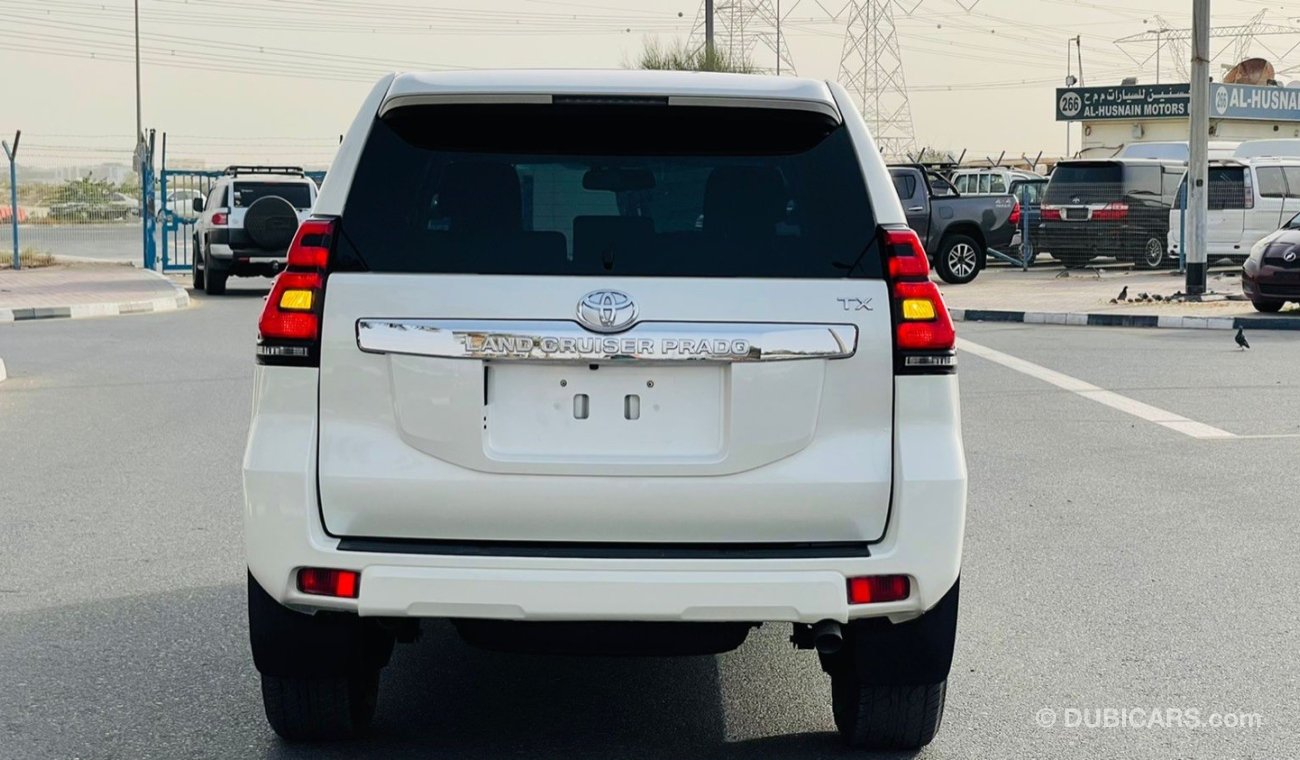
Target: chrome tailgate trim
566 341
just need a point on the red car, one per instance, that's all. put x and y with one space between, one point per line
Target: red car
1271 275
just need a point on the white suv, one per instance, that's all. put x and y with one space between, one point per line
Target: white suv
245 224
508 380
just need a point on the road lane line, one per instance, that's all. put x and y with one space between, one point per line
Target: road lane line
1087 390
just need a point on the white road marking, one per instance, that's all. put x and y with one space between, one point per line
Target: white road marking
1087 390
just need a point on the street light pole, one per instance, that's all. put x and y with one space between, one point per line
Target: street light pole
139 124
778 37
1198 149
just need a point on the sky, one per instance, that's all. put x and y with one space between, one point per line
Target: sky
279 80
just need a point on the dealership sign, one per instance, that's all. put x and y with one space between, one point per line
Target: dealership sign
1170 101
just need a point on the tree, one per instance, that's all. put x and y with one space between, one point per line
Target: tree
678 56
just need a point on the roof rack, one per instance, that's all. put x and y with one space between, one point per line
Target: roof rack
236 170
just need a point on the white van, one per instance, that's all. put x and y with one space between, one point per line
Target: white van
988 181
1249 198
1175 150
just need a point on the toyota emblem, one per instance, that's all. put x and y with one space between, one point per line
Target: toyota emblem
1289 256
606 311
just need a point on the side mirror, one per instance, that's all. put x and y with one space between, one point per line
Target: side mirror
197 205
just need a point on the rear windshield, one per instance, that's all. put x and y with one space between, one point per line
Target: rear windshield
247 193
597 189
1229 189
1106 182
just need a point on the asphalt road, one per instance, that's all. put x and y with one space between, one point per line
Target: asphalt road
1110 563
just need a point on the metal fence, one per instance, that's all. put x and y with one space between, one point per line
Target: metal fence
79 196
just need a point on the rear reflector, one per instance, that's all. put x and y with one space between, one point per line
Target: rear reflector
329 582
873 589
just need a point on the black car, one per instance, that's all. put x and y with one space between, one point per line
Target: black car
1113 207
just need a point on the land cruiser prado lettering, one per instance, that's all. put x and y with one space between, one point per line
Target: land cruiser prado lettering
606 362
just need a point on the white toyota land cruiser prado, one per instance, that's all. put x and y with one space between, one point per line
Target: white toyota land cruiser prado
625 362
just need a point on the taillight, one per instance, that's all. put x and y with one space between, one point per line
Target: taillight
874 589
1111 212
1050 213
923 333
1014 219
324 581
220 218
289 329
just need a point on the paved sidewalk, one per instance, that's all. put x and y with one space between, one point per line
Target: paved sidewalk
1053 295
85 290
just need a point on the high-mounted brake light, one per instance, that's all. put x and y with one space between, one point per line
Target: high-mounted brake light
874 589
289 329
323 581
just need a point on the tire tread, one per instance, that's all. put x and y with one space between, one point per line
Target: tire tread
889 717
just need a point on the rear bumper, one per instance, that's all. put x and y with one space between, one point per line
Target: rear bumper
923 540
245 261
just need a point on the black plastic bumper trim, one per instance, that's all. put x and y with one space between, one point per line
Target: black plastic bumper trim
601 550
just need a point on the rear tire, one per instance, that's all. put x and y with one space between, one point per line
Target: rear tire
320 672
196 272
1153 254
1268 307
959 259
886 717
326 707
214 283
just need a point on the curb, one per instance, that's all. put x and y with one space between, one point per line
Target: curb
1126 320
180 300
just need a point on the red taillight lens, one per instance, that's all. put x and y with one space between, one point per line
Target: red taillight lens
1111 212
220 218
1050 214
289 329
329 582
311 245
873 589
923 320
1014 219
290 312
905 253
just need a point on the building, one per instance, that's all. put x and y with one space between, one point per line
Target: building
1117 116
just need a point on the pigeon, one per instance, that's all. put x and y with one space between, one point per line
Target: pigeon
1123 294
1241 339
1141 296
1113 301
1158 297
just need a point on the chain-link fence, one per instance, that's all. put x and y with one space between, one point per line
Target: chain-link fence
79 196
1114 208
77 201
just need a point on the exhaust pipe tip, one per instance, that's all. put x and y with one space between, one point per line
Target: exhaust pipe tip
828 637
